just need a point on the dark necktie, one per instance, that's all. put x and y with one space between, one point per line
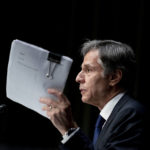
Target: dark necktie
98 127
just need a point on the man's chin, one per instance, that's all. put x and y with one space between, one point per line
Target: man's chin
84 100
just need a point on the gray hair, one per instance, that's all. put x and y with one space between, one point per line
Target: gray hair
114 55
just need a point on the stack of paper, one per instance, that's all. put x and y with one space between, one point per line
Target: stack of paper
31 71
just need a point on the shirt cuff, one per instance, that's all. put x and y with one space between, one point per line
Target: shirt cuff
67 137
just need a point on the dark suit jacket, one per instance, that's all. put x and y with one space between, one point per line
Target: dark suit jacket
124 130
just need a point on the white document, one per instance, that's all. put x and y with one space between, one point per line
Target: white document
31 71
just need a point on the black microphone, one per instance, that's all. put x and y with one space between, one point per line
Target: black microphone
3 108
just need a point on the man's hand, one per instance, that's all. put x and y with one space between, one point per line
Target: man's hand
59 111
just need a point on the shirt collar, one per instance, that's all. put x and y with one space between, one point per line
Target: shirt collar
108 108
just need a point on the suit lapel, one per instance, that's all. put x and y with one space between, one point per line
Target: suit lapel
118 106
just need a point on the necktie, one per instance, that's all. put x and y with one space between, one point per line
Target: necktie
99 123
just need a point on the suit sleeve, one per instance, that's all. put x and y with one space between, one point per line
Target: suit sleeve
78 141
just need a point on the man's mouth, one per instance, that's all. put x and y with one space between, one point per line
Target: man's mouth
82 91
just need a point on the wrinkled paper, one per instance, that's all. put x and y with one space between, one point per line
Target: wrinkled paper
30 74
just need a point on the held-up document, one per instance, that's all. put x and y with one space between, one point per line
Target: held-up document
31 71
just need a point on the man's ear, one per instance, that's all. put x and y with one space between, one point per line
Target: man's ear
115 77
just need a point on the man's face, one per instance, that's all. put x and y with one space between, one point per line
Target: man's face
93 84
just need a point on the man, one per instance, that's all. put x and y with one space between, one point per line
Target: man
106 78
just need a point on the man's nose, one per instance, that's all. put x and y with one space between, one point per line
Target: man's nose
80 77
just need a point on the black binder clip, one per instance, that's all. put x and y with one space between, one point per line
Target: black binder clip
55 59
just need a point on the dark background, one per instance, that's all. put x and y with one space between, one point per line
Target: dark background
62 26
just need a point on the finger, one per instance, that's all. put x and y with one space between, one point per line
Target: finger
51 112
45 108
58 94
55 92
48 108
48 102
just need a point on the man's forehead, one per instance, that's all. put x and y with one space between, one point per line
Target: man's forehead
87 64
92 53
91 58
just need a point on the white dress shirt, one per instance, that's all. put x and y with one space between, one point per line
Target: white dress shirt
108 108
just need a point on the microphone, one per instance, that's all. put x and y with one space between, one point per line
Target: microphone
3 108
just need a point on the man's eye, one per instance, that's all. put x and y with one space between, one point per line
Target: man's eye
88 70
